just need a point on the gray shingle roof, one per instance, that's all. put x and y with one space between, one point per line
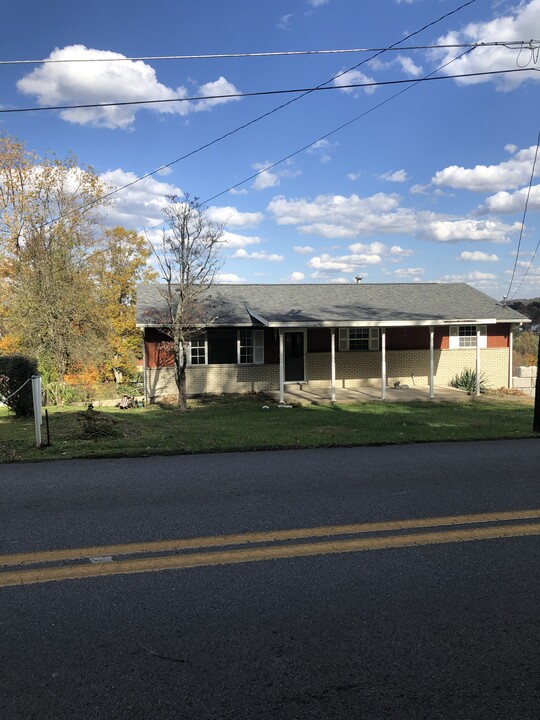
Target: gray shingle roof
301 305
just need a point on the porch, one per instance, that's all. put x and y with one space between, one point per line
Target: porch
303 394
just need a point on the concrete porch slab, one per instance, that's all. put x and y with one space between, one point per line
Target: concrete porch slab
305 395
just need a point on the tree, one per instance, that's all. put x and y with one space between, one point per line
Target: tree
119 266
188 257
49 227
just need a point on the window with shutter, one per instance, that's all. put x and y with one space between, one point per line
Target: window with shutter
358 338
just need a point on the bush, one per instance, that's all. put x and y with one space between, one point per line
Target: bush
466 380
15 370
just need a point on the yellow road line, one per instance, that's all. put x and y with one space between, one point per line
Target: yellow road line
260 537
231 557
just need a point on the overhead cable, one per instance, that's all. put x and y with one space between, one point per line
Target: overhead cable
259 93
511 44
523 228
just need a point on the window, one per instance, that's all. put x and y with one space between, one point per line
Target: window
228 347
464 336
250 346
198 350
359 338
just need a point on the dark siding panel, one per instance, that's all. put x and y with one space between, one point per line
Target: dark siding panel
271 346
318 340
407 338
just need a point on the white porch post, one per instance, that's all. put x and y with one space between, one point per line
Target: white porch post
431 363
145 388
383 363
281 367
511 358
333 361
478 360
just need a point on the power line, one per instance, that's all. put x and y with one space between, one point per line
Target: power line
270 112
340 127
260 93
523 227
510 44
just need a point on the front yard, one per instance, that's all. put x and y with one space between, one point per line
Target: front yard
242 423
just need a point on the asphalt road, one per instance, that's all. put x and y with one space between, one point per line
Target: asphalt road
446 630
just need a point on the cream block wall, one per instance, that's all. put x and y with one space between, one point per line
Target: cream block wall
214 379
357 369
353 369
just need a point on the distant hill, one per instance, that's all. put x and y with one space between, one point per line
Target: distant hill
530 308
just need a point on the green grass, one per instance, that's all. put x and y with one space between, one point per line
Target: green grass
240 423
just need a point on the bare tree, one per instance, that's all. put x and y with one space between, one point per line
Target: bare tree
188 259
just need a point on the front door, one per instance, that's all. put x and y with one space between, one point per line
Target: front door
294 357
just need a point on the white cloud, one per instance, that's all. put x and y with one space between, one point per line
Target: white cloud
242 254
352 77
485 178
332 211
231 217
374 248
285 22
233 240
353 176
295 277
405 63
343 263
266 179
221 86
317 3
477 256
323 149
337 216
510 148
229 278
303 249
475 276
505 202
400 252
138 206
468 229
408 66
521 22
101 82
397 176
409 272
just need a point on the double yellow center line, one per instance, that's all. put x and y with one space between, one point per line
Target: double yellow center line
80 563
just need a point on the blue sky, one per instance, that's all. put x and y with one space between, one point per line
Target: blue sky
431 186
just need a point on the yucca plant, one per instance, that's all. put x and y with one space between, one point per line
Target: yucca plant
466 380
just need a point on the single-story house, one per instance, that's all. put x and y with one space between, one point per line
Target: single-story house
265 337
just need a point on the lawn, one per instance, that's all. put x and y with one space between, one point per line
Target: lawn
242 423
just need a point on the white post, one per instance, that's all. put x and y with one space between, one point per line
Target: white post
333 361
478 360
383 363
431 363
36 398
145 388
511 358
281 367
